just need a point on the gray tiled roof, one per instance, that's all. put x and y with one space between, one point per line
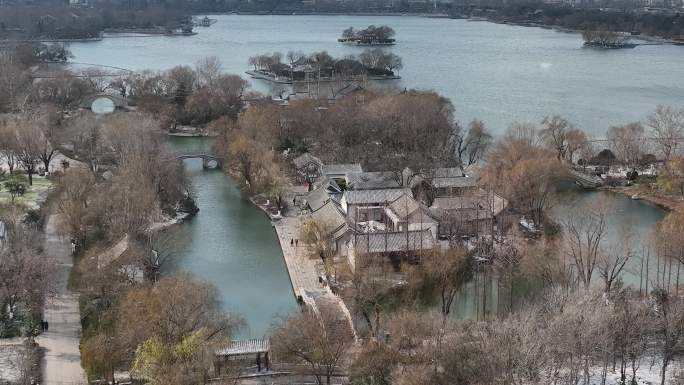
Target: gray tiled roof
457 203
317 198
347 168
330 216
239 347
305 159
355 197
404 206
373 180
394 241
479 199
459 182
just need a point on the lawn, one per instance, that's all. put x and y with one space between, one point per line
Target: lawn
34 195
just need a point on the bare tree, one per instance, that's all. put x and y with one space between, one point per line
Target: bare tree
555 134
29 145
9 146
532 184
612 261
667 129
449 271
26 276
310 338
576 140
669 328
627 142
472 146
208 71
583 234
73 194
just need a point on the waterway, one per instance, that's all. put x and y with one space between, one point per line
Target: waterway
230 243
497 73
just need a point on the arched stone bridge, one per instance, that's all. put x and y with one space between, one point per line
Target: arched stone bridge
208 160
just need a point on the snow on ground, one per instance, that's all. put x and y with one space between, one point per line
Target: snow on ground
648 373
10 360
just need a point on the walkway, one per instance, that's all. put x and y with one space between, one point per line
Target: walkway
61 363
304 277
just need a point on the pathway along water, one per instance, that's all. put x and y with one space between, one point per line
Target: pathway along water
231 244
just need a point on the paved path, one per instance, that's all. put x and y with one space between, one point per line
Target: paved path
61 363
304 275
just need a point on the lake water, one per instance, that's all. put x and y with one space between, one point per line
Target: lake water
497 73
629 224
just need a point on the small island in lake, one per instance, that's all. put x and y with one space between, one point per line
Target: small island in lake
382 35
371 64
606 39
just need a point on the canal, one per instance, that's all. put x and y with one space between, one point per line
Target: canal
230 243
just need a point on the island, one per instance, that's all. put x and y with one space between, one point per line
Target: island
382 35
606 39
372 64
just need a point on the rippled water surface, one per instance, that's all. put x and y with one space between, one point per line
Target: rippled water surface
497 73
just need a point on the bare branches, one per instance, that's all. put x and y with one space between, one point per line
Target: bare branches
310 338
667 129
584 233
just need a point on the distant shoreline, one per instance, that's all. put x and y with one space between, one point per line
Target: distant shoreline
653 40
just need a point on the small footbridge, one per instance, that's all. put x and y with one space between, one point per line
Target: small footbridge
208 160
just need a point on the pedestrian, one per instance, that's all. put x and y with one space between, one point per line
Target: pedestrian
291 242
46 325
296 242
294 201
42 325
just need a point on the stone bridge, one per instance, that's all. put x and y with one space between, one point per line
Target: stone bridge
208 160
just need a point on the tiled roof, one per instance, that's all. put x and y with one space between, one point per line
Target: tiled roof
448 172
355 197
480 199
317 198
394 241
252 346
457 203
305 159
373 180
336 169
459 182
331 217
404 206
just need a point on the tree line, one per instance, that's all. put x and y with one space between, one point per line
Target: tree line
373 61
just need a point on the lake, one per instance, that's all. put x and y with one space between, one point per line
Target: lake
497 73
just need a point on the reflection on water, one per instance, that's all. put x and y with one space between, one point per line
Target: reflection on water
629 225
232 245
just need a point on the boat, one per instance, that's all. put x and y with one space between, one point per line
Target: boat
636 197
